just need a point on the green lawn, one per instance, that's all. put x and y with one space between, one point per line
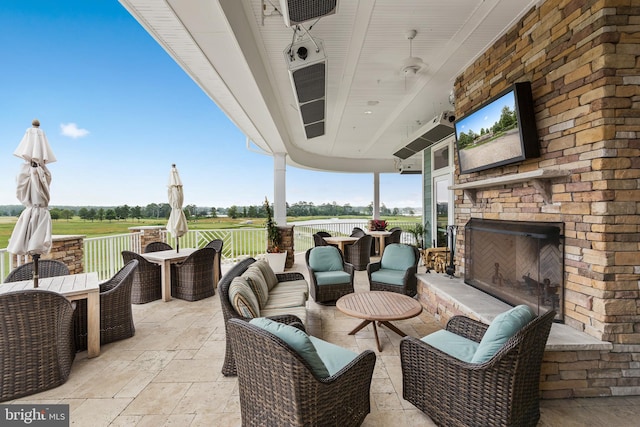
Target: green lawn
105 228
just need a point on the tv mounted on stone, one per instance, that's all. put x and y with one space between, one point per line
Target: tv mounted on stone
499 132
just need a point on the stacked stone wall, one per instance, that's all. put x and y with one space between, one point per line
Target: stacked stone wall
583 61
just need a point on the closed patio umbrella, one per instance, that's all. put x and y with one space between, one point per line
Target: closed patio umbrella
32 233
177 221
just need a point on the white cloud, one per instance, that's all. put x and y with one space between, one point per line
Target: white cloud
72 130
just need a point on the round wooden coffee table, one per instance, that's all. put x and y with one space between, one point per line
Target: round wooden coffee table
381 307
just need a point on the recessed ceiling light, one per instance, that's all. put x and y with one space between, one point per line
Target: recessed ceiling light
372 103
368 112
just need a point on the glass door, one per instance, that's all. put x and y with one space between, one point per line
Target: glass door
442 200
442 211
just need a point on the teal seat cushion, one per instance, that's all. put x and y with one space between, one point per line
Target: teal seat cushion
391 277
334 357
503 327
332 277
398 257
325 258
298 340
454 345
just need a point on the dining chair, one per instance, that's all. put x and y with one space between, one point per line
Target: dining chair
36 342
359 253
116 317
157 246
357 232
147 279
46 268
192 279
217 244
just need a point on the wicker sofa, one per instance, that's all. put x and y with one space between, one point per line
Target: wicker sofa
244 296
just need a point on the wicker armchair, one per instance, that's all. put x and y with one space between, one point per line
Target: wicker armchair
157 247
379 272
46 268
36 342
116 317
228 312
503 391
330 277
192 279
147 279
217 244
359 253
267 364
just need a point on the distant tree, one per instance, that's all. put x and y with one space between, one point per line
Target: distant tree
100 214
252 212
110 215
396 212
67 214
91 214
83 213
214 213
232 212
165 210
244 211
55 214
136 212
152 210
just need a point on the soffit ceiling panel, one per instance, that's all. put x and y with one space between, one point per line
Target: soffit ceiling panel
237 57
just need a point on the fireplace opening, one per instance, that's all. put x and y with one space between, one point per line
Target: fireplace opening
517 262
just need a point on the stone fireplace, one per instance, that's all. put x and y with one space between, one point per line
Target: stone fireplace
517 262
582 60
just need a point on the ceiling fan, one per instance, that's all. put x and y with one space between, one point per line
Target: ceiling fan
412 65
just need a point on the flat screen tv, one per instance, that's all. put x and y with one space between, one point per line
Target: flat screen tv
499 132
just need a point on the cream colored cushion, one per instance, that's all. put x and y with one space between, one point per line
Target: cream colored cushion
267 272
243 299
258 284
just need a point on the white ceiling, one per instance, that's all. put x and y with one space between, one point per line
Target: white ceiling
236 56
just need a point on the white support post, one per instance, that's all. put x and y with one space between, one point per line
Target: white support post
376 195
279 188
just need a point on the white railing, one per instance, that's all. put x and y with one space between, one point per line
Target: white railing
7 263
103 254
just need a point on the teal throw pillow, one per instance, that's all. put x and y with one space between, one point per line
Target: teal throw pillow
503 327
296 339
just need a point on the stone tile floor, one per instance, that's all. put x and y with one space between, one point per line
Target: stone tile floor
168 374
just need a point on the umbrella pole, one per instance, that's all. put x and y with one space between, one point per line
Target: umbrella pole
36 257
177 244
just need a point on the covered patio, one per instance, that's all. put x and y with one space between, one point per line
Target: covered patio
169 372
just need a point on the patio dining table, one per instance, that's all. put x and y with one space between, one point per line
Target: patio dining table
73 287
341 241
380 235
165 259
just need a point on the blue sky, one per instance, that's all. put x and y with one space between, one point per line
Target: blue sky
118 111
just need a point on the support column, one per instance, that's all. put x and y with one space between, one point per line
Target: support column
279 188
376 195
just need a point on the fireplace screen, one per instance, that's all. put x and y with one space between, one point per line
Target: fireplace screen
517 262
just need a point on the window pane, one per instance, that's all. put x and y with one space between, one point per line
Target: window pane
441 158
